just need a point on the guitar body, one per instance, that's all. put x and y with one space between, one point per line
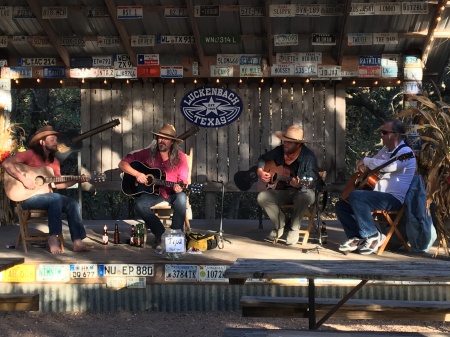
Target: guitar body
360 181
280 176
245 179
131 187
15 190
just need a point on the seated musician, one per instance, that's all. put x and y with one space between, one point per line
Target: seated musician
355 212
298 162
42 148
162 154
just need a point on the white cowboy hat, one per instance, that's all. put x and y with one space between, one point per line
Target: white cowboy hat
292 134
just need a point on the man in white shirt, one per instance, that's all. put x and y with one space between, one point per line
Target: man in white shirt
355 212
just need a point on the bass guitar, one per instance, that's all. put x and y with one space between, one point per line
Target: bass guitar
155 178
42 176
368 180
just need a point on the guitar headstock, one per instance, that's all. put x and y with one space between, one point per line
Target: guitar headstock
98 177
405 156
195 187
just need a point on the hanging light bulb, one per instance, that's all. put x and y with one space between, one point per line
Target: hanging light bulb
82 80
240 80
38 80
128 81
17 81
61 81
217 81
105 81
172 81
195 81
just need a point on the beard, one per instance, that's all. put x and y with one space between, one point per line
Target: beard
163 147
291 149
52 150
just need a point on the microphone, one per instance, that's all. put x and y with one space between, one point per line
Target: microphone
192 131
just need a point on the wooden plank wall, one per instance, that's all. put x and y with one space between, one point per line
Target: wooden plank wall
218 152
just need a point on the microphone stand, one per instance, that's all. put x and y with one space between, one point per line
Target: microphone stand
221 239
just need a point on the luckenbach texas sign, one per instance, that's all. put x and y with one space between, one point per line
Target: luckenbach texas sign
211 107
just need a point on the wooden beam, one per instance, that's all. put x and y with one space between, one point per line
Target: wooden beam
343 40
196 32
434 21
56 40
268 26
124 37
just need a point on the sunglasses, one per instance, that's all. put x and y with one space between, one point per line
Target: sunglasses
384 132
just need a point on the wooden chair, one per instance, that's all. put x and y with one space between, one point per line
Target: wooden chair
310 214
164 210
25 218
391 219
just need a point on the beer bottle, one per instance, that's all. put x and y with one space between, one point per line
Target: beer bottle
324 234
116 235
132 236
138 236
105 238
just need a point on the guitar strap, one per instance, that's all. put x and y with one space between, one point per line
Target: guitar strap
397 149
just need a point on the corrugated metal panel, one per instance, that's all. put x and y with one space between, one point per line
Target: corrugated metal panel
209 297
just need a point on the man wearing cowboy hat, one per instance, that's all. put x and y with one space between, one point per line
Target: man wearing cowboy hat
163 154
41 152
297 162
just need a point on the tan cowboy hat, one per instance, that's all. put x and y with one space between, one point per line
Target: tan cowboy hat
168 131
292 134
42 133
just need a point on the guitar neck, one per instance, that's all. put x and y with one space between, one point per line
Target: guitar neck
167 183
378 168
62 179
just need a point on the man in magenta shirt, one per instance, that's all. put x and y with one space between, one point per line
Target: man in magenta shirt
163 154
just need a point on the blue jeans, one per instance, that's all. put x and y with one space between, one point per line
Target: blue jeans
145 201
56 204
356 215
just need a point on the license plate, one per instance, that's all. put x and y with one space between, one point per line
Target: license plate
53 273
212 274
83 271
176 272
125 269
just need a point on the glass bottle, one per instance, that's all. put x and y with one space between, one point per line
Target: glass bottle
132 236
116 234
173 242
105 237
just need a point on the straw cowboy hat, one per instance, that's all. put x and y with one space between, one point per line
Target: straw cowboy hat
168 131
292 134
42 133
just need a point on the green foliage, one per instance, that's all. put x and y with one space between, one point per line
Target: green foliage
367 109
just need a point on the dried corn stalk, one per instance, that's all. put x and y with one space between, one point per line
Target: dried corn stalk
434 159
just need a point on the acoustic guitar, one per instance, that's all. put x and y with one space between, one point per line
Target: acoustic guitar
368 180
42 176
280 177
155 178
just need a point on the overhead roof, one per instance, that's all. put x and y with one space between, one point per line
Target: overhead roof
419 28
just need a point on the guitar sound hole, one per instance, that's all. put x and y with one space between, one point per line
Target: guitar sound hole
149 180
39 181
